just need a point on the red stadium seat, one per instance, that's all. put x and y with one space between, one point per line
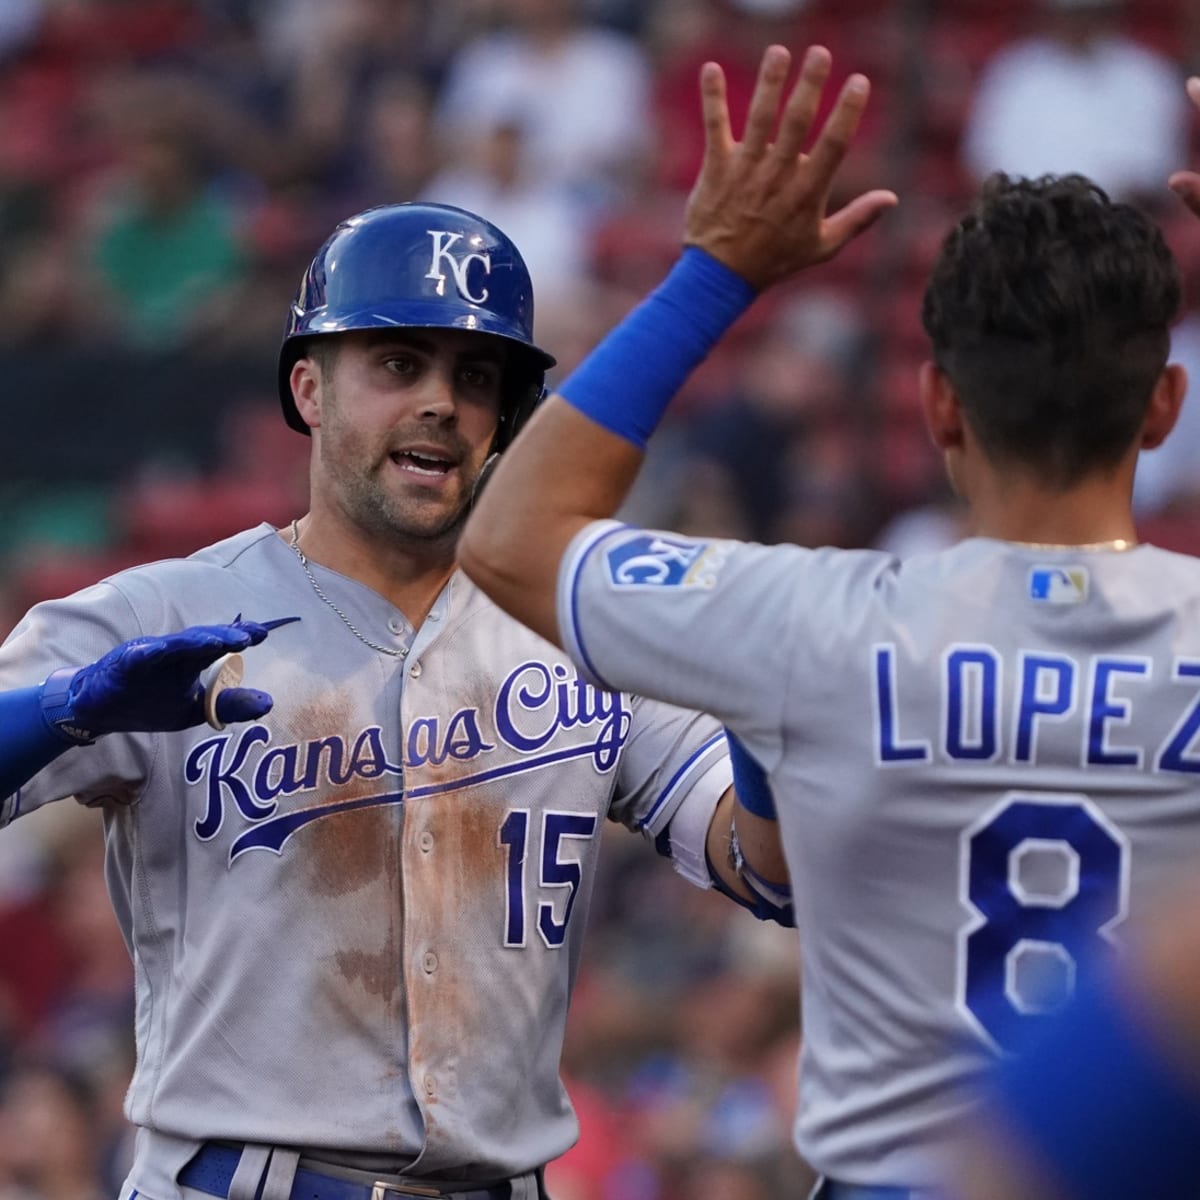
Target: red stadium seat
166 519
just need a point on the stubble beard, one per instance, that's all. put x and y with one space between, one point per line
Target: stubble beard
385 515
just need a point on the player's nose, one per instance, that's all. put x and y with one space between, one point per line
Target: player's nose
436 399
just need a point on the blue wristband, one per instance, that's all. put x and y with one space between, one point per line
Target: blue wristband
1097 1102
750 781
628 380
56 707
28 742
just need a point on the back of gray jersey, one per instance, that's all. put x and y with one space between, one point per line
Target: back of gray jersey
984 761
356 922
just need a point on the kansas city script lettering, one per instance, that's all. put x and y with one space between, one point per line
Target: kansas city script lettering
535 703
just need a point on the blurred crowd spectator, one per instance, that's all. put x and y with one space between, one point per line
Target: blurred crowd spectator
167 168
1080 94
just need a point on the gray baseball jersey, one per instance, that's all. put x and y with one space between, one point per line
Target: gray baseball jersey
355 923
983 761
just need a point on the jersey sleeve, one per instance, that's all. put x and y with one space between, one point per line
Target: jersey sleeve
694 622
673 769
73 632
735 629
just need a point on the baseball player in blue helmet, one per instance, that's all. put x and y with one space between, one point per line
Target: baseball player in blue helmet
357 918
396 267
985 760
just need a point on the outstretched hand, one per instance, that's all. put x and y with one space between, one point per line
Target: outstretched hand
759 206
1186 184
152 684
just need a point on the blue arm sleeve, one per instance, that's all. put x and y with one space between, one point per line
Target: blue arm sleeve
772 901
750 781
27 742
626 383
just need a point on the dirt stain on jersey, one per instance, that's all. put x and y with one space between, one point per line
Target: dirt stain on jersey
331 714
460 884
345 851
352 861
348 851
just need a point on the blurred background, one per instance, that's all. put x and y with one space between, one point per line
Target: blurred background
167 169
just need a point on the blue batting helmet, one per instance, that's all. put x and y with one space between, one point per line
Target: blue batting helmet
428 266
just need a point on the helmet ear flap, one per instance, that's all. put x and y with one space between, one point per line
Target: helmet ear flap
518 408
485 473
290 354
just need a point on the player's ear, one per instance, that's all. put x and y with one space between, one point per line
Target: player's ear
305 381
1165 403
940 407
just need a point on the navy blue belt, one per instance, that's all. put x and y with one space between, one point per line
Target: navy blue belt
213 1167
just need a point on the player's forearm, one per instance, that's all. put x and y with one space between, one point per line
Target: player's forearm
561 473
727 861
744 849
761 846
27 741
754 818
718 847
579 455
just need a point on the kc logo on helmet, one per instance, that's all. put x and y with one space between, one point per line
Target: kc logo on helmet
443 241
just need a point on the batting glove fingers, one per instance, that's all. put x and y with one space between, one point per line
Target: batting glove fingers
152 684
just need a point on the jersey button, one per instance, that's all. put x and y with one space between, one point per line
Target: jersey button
415 670
396 625
425 841
429 962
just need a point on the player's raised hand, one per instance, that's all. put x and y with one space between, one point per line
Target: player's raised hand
152 684
1186 184
760 206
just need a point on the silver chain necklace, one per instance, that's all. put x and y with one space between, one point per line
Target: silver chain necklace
316 587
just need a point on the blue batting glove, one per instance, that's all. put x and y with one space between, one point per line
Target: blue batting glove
241 704
152 684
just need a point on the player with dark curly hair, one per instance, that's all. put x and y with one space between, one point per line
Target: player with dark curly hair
1105 1102
1048 311
984 760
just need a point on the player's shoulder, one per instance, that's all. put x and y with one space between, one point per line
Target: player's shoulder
1167 572
228 553
201 578
628 557
231 550
1142 574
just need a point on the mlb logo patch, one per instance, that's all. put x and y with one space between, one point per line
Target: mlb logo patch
1058 585
656 561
